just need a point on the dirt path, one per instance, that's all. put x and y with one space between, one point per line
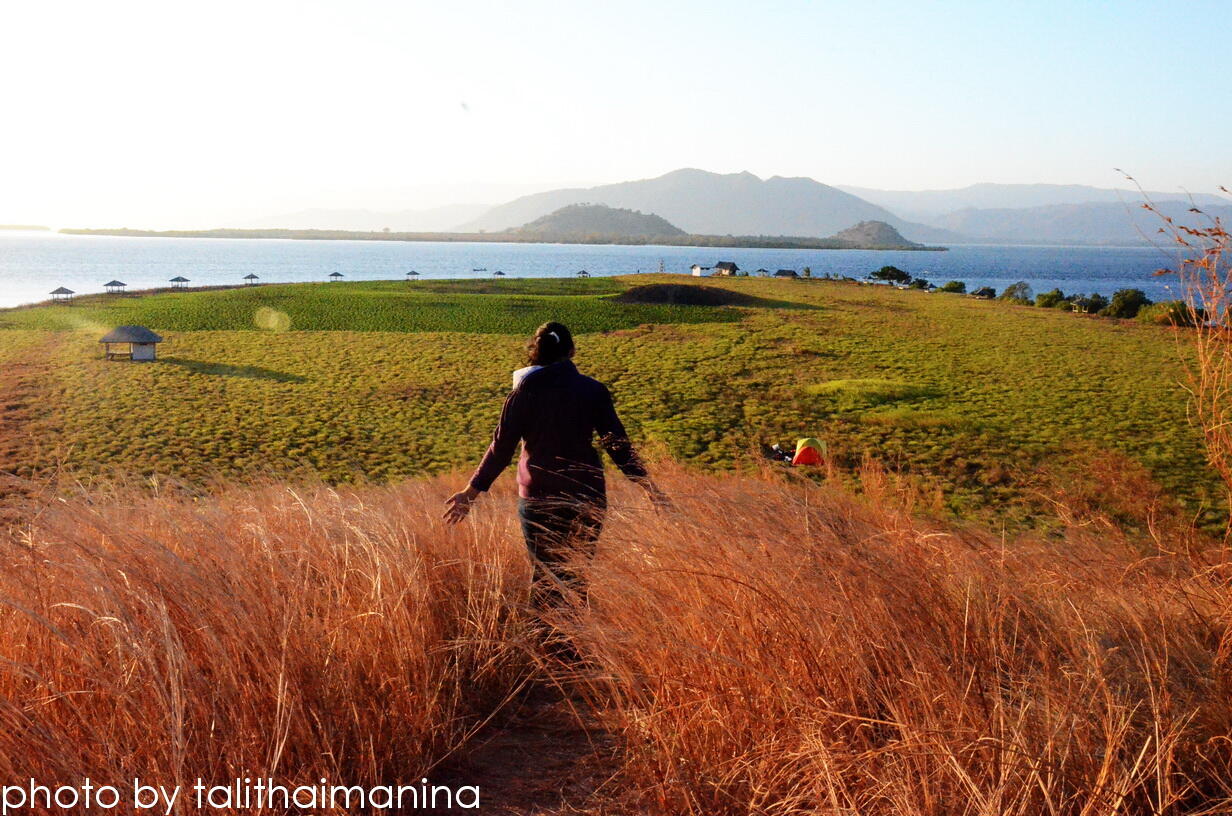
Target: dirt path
544 756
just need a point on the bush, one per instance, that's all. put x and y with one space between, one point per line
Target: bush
1090 305
1019 293
892 274
1169 313
1050 299
954 286
920 283
1126 303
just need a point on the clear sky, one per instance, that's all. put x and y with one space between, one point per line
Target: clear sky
177 113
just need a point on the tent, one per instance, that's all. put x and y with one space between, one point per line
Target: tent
809 451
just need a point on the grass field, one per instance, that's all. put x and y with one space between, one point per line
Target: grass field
985 406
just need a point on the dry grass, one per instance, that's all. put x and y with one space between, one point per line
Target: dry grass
291 633
765 647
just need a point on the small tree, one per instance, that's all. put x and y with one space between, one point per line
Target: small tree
1126 303
920 283
807 272
892 274
1019 293
1050 299
954 286
1090 305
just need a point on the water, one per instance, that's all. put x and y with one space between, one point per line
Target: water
32 264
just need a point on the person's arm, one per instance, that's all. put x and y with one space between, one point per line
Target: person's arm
497 457
615 441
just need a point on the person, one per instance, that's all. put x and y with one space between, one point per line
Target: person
556 412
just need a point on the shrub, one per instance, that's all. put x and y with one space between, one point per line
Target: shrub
1050 299
920 283
954 286
1019 293
1168 313
1090 305
1126 303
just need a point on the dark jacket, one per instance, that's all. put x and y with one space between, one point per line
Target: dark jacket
556 412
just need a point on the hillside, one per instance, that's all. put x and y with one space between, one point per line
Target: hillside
874 235
583 220
382 380
703 203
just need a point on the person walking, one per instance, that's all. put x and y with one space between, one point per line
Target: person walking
556 413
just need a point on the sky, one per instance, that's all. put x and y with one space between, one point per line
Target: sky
193 114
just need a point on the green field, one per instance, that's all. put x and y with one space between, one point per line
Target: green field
973 399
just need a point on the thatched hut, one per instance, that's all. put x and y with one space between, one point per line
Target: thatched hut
62 294
251 278
139 340
115 287
178 281
334 277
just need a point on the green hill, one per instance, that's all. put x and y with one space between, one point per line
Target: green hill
578 221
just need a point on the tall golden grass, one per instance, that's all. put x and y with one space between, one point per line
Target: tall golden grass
266 632
766 646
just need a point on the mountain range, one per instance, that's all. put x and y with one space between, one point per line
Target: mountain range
735 204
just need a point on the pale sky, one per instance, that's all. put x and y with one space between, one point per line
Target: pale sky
194 114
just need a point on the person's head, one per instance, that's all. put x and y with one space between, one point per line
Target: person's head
551 344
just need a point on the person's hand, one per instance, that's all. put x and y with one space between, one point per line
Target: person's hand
459 505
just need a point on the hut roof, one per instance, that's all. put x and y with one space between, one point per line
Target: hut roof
130 334
251 276
335 274
726 265
179 279
63 291
412 272
115 283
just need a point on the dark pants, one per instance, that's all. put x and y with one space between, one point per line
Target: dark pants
558 532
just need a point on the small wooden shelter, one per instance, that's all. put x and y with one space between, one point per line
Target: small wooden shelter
115 287
251 278
62 294
334 277
139 340
726 268
412 274
178 281
786 273
498 274
582 273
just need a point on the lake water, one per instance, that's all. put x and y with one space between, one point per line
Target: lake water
32 264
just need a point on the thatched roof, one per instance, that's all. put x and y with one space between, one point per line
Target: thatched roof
116 283
335 274
179 279
251 276
412 272
726 266
63 291
130 334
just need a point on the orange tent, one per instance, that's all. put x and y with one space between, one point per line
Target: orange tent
809 451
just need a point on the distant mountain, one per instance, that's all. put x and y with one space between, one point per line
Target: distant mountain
577 221
874 235
706 203
927 205
1091 223
434 219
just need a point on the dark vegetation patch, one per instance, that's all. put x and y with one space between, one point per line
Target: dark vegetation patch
682 294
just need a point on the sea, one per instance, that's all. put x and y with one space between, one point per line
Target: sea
34 263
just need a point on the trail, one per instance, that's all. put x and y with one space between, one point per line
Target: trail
544 755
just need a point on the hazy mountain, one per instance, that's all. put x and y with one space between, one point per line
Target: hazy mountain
433 219
582 220
927 205
705 203
873 235
1091 223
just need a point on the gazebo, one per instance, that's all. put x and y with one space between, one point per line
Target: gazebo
412 274
140 341
251 278
334 277
582 273
115 287
498 274
62 294
179 281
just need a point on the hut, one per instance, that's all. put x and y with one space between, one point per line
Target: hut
786 273
140 341
725 268
114 287
698 270
62 294
251 278
582 273
412 275
498 274
334 277
178 281
762 273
